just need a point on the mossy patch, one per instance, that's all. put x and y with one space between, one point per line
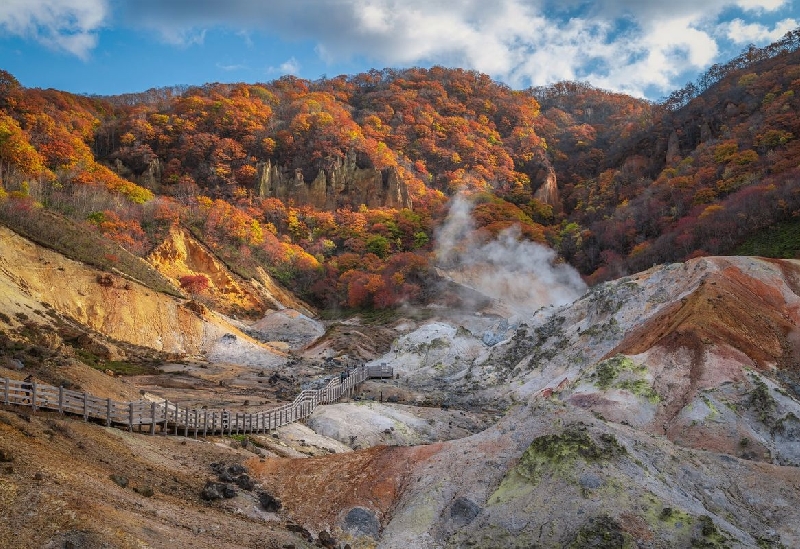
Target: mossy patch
713 412
708 536
602 532
693 530
555 453
762 401
124 368
660 516
620 372
118 367
607 371
574 442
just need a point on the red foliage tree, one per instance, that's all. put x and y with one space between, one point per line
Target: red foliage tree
194 284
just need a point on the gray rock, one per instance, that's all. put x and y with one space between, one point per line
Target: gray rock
236 469
326 540
145 491
591 481
464 511
245 482
13 364
269 503
213 490
362 522
119 480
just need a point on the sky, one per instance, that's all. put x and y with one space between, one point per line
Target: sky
647 48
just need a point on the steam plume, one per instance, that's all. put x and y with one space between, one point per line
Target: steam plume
522 275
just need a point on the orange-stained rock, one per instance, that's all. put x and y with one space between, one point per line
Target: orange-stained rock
318 491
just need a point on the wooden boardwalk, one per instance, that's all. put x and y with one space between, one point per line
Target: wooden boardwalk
144 415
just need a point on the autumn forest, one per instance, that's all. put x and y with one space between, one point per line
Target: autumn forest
337 186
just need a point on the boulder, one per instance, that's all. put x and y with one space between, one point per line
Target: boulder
269 503
361 522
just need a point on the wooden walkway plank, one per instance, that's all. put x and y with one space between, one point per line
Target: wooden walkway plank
172 417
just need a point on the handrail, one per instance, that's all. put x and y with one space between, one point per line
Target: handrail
170 416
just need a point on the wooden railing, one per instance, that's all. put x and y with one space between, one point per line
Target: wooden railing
170 417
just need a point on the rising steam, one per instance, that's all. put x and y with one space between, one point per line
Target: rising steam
524 276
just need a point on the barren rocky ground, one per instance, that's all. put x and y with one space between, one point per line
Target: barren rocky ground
658 410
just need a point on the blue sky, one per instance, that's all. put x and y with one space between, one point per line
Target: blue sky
643 47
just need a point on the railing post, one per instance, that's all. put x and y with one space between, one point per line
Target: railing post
33 396
152 418
205 422
8 382
176 418
61 399
85 407
130 416
108 412
186 424
195 423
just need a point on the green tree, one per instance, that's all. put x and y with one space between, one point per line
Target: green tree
378 245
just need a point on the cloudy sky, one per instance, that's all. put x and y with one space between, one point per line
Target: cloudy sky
644 47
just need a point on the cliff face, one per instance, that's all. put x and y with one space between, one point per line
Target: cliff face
548 191
42 288
120 309
181 254
345 184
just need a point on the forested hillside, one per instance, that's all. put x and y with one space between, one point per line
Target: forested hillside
338 185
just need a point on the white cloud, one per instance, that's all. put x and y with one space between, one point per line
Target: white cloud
183 37
66 25
290 66
740 32
626 45
665 50
234 67
762 5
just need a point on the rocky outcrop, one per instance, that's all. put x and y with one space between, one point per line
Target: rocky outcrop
548 191
181 254
345 184
143 169
120 309
41 282
673 148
